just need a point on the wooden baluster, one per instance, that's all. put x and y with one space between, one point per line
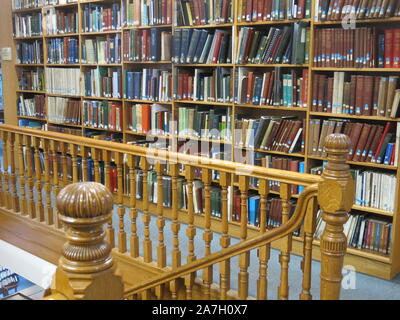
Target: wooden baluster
119 160
2 179
335 197
54 148
286 244
309 229
96 166
161 250
207 234
84 155
74 160
244 262
147 245
63 149
13 177
47 186
38 171
225 266
107 181
134 239
29 180
190 231
21 173
264 251
175 227
6 183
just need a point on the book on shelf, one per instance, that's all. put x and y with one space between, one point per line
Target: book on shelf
276 45
330 10
202 46
205 122
266 10
31 79
27 4
101 17
103 82
102 50
32 107
152 119
64 111
375 143
354 94
148 84
105 136
147 45
29 52
63 50
63 81
58 2
283 134
31 124
271 88
147 13
204 85
103 115
60 129
197 12
60 21
27 25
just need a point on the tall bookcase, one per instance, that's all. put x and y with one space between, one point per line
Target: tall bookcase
386 266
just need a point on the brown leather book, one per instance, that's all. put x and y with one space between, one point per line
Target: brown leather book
294 166
361 142
295 129
329 95
271 137
354 137
393 80
316 134
359 95
375 97
281 134
303 135
321 92
383 89
324 130
368 95
331 129
371 137
375 143
338 127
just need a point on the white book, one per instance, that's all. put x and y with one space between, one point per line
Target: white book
361 235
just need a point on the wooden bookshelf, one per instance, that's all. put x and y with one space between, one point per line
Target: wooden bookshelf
359 257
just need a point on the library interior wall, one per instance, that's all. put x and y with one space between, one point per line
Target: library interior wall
9 72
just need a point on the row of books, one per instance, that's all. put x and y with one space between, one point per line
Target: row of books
101 135
357 48
32 107
101 17
284 45
147 13
64 81
27 4
31 79
198 12
60 129
330 10
148 84
271 88
64 111
203 85
29 52
103 82
363 232
202 46
102 50
356 94
60 21
63 51
205 122
27 25
264 10
147 45
31 124
283 134
375 189
152 119
369 142
102 114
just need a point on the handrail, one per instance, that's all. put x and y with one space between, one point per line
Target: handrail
289 177
245 246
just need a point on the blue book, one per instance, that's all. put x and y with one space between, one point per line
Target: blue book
90 166
377 238
253 204
388 154
301 170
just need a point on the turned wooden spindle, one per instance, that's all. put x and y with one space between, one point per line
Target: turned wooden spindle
64 165
30 180
86 268
39 184
55 181
244 258
21 174
134 239
161 249
13 178
264 251
119 161
7 194
96 165
84 155
146 217
74 159
47 186
335 197
107 182
190 231
225 241
207 234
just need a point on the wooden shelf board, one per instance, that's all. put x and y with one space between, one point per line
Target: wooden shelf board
63 95
271 65
161 26
224 104
204 65
366 164
65 124
147 62
148 101
349 116
101 64
101 129
359 21
61 35
206 26
294 154
29 65
28 37
31 91
268 22
281 108
146 135
27 10
203 139
373 210
356 69
101 98
32 118
95 33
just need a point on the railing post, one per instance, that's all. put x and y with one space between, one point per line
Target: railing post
86 267
335 197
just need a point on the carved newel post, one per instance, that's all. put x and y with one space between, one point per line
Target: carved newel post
86 269
335 197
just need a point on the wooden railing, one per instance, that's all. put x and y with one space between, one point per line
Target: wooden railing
42 163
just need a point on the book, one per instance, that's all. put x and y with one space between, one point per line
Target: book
64 110
102 114
29 52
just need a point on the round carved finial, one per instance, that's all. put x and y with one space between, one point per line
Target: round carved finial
84 200
338 142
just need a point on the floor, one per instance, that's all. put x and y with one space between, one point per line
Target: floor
25 289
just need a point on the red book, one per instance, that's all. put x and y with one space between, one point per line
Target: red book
301 9
392 155
385 132
304 97
250 83
267 9
169 12
217 46
113 179
260 10
249 10
396 48
224 16
146 124
389 35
